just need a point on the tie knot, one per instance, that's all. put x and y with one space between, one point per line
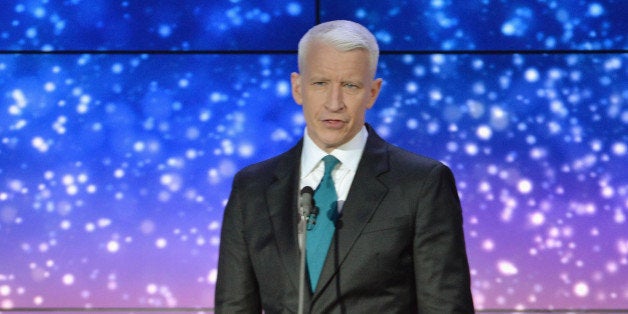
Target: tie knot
330 163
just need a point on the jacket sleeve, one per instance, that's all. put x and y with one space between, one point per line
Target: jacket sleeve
440 261
237 290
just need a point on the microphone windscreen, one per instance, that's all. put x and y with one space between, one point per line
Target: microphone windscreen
306 201
307 190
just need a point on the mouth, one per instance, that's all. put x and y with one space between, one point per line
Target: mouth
333 123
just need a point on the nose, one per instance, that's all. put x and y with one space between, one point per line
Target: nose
336 98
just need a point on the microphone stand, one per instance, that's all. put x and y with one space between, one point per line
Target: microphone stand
307 211
302 238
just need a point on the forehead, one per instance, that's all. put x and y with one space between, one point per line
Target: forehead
322 57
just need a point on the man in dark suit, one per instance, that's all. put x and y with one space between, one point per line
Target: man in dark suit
396 243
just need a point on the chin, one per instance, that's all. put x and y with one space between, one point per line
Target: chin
332 144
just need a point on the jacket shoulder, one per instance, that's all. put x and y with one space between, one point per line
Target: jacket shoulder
267 170
401 158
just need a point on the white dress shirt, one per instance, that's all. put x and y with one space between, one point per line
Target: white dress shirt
349 154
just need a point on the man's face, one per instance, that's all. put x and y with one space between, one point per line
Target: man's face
335 89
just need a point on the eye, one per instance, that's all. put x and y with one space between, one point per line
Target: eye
321 83
351 86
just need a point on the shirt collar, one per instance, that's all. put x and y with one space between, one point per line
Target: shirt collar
349 153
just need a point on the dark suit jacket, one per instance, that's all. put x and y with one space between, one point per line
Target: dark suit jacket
398 247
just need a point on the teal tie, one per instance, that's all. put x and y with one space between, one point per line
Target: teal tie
320 234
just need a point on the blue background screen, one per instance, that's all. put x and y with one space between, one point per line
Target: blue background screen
122 124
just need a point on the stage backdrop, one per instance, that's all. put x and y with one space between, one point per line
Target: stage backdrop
122 124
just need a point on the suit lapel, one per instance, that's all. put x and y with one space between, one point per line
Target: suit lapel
282 200
364 197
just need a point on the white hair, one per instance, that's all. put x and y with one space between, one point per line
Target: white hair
344 36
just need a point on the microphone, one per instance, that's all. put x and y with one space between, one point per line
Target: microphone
305 202
307 211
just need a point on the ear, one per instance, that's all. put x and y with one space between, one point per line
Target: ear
295 80
376 87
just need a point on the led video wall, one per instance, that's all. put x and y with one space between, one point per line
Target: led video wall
123 123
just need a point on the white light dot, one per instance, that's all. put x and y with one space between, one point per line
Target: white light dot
183 83
595 9
65 225
412 87
212 275
118 173
104 222
38 300
484 132
435 95
484 187
283 88
581 289
117 68
43 247
507 268
622 246
452 147
147 227
151 288
612 267
471 149
7 304
619 216
50 86
68 279
113 246
72 190
67 180
40 144
246 150
608 192
161 243
31 32
90 227
538 153
5 290
537 218
524 186
91 189
508 29
488 245
294 8
531 75
139 146
164 30
620 149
